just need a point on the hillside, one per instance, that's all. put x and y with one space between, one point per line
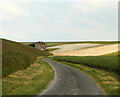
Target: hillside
17 56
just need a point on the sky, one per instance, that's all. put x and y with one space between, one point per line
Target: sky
91 20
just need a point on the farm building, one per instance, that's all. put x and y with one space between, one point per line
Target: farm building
40 45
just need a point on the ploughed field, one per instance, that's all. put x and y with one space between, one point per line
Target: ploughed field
72 47
84 49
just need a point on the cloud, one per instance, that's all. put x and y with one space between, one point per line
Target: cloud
62 21
51 21
45 17
11 11
88 6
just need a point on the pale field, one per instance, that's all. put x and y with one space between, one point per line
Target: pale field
85 49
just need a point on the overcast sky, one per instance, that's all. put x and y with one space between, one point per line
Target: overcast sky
60 21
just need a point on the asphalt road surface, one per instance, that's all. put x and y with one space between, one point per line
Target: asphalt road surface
69 81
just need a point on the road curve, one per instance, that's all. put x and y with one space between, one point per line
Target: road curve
69 81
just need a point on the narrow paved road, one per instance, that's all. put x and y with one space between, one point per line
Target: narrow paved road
69 81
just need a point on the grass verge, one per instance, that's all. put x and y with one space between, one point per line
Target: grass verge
106 80
30 81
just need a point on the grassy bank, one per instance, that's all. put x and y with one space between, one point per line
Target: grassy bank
108 63
106 80
17 56
30 81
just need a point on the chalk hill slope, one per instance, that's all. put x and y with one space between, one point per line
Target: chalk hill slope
17 56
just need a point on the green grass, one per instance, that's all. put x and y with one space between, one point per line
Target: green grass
30 81
106 80
103 42
108 63
51 49
17 56
49 44
113 54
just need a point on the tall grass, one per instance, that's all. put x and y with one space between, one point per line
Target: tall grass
109 63
17 56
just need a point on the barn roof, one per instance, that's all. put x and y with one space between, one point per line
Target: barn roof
40 42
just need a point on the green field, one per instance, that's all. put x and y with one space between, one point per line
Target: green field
17 56
109 63
103 42
113 54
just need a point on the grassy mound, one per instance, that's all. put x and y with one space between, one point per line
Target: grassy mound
28 82
17 56
109 63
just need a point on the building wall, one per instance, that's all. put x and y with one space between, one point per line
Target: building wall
40 46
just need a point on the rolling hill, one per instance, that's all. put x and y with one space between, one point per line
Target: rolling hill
17 56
